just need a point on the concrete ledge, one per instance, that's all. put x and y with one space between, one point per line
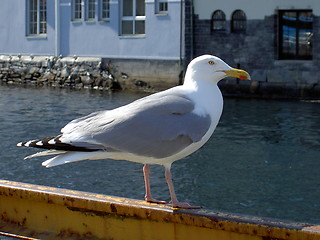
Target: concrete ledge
147 74
51 213
269 90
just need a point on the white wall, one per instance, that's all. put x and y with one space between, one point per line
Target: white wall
254 9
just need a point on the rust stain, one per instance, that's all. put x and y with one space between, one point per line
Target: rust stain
69 233
113 208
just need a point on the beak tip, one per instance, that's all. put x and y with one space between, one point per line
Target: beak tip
245 77
238 73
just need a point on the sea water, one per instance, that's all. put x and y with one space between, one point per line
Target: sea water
263 159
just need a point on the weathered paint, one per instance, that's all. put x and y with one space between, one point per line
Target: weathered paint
51 213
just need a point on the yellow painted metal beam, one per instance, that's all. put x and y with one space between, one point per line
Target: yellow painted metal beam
51 213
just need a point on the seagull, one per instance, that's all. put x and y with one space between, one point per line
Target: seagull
158 129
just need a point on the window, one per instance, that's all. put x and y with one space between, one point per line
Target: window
104 9
37 17
90 10
218 21
76 10
295 34
133 17
238 21
161 6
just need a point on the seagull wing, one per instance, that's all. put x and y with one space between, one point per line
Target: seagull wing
155 126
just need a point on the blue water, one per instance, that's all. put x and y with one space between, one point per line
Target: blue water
263 159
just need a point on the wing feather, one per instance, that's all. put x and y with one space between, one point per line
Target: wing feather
155 126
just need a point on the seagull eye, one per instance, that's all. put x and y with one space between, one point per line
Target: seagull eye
211 62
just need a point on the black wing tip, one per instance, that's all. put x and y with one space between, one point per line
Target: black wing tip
40 143
54 143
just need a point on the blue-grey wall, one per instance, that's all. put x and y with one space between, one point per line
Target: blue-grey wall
161 41
13 39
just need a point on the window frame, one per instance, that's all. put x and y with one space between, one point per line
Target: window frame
76 11
161 6
40 22
298 26
90 8
134 19
104 10
238 24
219 21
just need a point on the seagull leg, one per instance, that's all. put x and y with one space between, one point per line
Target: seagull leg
148 197
174 200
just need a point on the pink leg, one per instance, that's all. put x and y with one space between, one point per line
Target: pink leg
148 197
174 200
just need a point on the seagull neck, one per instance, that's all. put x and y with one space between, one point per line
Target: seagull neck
207 96
201 86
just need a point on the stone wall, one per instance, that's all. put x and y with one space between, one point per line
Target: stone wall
82 72
256 51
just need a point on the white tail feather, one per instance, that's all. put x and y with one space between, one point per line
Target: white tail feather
44 153
69 157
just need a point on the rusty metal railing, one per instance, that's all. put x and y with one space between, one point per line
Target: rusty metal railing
39 212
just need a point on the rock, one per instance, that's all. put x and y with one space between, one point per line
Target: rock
65 72
75 71
48 75
33 70
79 85
36 75
87 80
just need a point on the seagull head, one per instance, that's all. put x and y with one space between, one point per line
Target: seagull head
213 69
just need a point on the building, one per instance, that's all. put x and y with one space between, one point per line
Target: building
277 41
132 34
150 42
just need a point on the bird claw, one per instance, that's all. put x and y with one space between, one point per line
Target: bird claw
184 205
152 200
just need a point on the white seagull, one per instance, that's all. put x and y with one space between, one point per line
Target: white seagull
157 129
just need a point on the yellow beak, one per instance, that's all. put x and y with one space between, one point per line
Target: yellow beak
237 73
